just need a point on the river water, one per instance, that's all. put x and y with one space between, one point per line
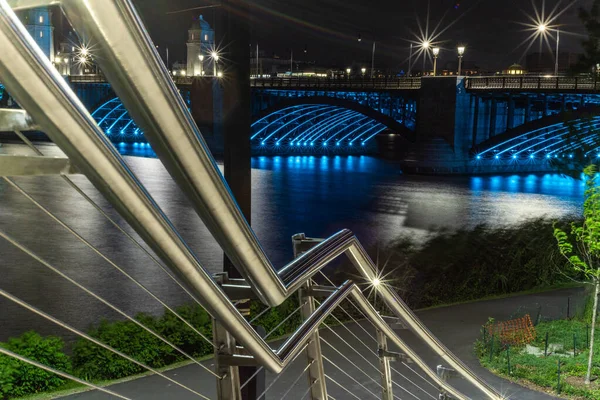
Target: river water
317 195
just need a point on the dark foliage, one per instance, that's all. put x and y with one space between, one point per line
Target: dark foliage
18 378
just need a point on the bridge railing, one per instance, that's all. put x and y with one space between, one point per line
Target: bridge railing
524 83
145 88
329 83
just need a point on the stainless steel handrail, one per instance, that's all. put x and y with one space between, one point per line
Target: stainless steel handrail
153 101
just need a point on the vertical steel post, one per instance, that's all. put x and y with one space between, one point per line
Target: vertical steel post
228 387
384 367
316 371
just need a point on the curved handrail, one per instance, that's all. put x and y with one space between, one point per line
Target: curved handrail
37 86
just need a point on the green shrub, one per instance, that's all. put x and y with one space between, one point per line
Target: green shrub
184 337
93 362
276 315
18 378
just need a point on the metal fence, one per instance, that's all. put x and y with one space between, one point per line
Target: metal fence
332 363
526 83
340 83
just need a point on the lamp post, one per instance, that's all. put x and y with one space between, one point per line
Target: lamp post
201 58
215 58
461 52
372 55
543 28
348 70
410 60
436 52
363 70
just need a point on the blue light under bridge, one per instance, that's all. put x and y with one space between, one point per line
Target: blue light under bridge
539 144
114 120
315 126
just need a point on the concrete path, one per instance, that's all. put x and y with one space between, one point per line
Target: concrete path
457 327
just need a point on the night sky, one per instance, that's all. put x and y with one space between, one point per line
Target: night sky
329 28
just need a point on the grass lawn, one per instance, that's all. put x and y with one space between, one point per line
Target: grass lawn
542 370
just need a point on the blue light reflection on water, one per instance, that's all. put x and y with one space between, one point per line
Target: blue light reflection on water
319 195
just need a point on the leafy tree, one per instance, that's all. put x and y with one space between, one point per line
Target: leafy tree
581 248
591 45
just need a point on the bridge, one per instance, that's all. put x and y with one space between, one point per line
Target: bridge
158 109
433 124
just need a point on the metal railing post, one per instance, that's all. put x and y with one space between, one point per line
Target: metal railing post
228 387
316 370
384 367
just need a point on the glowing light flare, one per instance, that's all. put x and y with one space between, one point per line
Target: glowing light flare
542 25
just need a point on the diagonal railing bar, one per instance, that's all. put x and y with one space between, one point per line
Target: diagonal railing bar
105 258
81 334
112 221
133 67
31 254
29 361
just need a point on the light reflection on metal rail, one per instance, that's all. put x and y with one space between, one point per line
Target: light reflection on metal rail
131 64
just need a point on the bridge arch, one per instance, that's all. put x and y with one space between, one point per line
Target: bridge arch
114 119
550 137
322 122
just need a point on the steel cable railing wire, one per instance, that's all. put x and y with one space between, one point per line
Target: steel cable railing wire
105 258
373 338
60 373
370 363
62 324
152 98
373 352
343 387
30 253
340 369
112 221
353 364
303 373
283 321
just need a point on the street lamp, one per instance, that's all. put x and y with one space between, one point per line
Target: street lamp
201 58
461 52
542 28
348 70
372 55
363 70
436 52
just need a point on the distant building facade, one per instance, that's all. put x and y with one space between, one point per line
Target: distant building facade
200 43
515 69
38 22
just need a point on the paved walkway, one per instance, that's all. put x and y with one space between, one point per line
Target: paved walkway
457 326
